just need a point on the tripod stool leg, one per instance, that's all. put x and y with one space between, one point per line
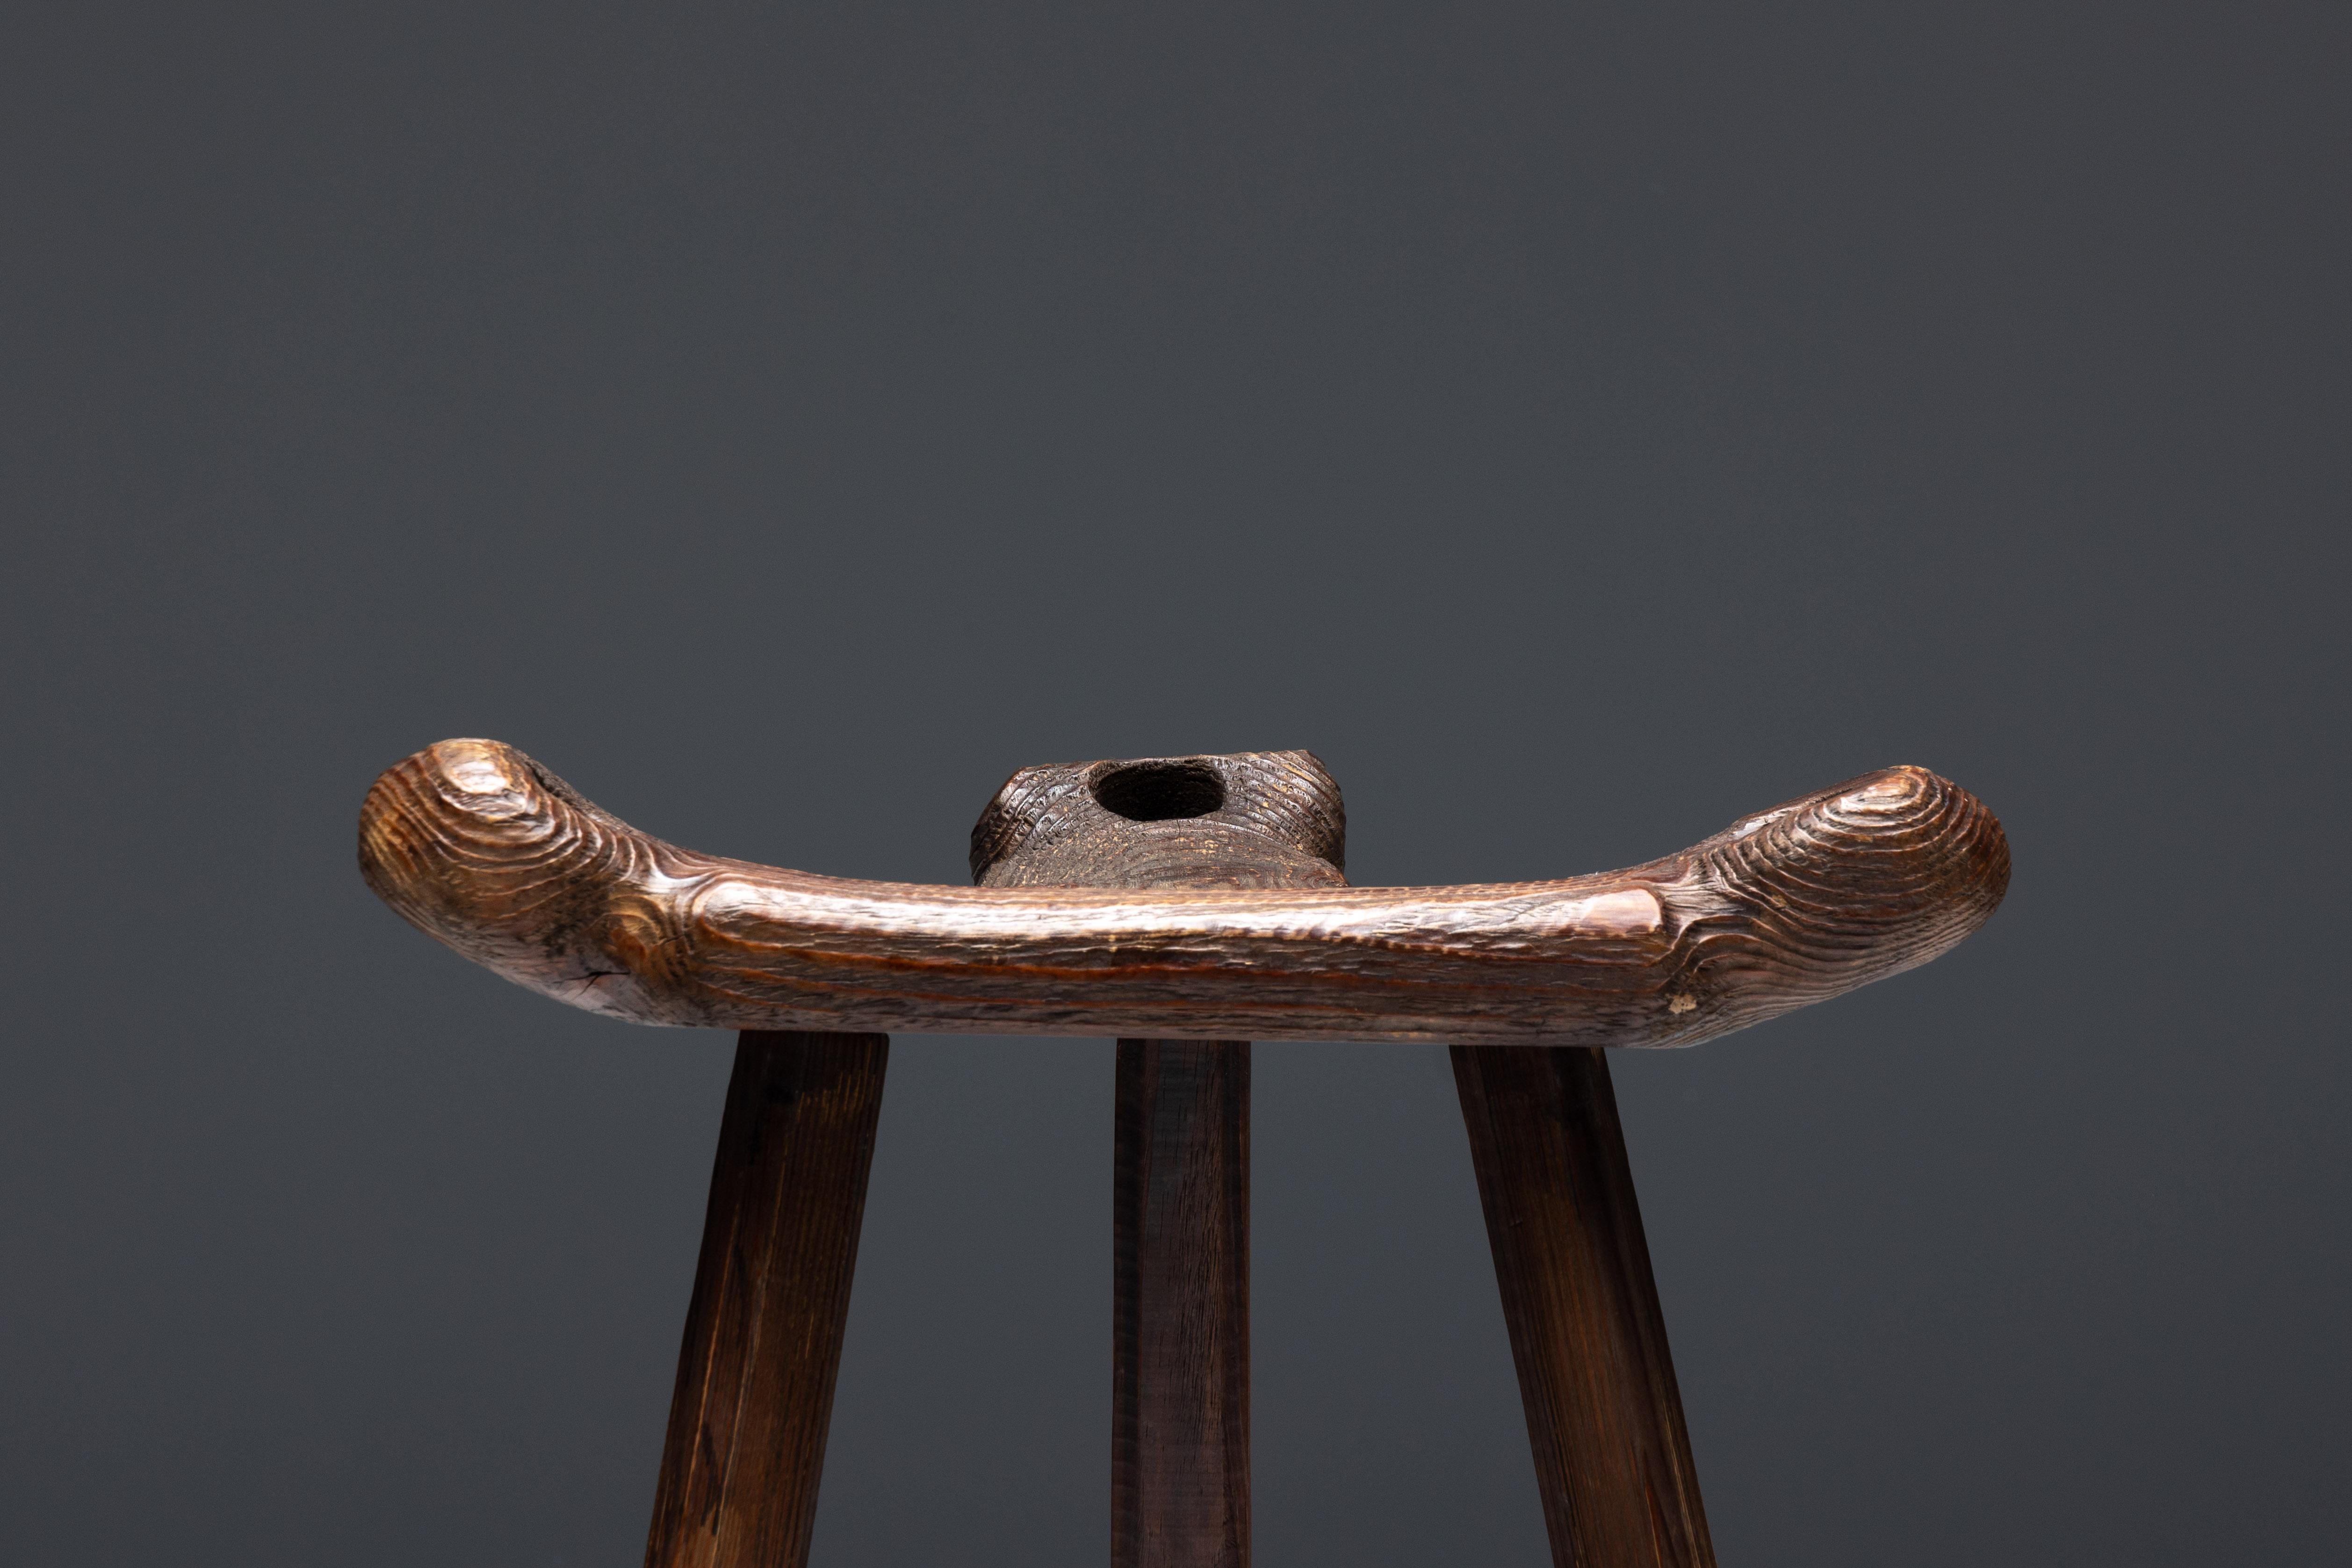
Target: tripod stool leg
1613 1457
1180 1336
747 1424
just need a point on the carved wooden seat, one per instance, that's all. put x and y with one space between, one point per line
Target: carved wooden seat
1185 906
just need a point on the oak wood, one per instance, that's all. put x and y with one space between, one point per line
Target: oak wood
1181 1374
1613 1456
755 1376
486 851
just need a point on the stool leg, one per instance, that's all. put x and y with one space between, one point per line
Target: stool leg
1613 1457
1180 1409
747 1424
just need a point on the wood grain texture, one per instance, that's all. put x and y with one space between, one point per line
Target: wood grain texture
1180 1448
1613 1457
1181 1370
755 1376
481 847
1247 819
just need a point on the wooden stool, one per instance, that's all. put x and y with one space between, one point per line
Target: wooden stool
1185 906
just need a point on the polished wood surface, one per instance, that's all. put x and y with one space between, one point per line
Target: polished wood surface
1179 1339
486 851
1613 1458
747 1425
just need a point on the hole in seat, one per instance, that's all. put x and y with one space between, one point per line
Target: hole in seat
1160 791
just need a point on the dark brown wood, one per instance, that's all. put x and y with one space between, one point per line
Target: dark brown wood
1612 1454
1183 904
481 847
747 1425
1247 819
1179 1337
1180 1448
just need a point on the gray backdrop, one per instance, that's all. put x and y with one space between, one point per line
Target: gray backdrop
1580 424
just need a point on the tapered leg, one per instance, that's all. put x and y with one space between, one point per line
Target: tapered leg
747 1424
1180 1422
1613 1457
